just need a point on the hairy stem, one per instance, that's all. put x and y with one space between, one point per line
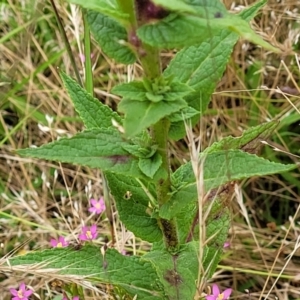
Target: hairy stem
150 61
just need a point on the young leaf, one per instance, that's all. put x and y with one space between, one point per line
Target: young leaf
134 90
217 167
149 166
110 35
96 148
140 91
93 113
140 115
133 206
129 273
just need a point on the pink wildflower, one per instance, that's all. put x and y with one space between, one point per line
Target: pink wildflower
97 207
61 242
226 245
22 293
217 295
88 234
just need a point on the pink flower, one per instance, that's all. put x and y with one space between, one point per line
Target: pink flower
226 245
97 207
216 295
88 234
61 242
22 293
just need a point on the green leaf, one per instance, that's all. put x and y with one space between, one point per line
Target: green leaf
140 115
248 142
175 5
178 30
93 113
177 272
129 273
174 31
184 114
133 206
201 67
136 90
250 12
219 167
96 148
110 35
149 166
217 226
217 220
109 8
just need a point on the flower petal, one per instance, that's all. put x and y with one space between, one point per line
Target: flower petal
53 242
227 293
22 287
82 237
14 292
211 297
84 229
94 229
93 202
92 209
27 293
216 290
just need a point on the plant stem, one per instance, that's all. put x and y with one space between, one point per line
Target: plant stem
150 61
89 86
127 6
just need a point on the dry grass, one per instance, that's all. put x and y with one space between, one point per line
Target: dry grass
42 198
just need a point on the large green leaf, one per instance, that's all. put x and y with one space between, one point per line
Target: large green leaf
201 67
96 148
176 272
219 167
134 207
111 36
178 30
130 273
93 113
249 142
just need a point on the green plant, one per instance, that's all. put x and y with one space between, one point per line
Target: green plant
184 214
